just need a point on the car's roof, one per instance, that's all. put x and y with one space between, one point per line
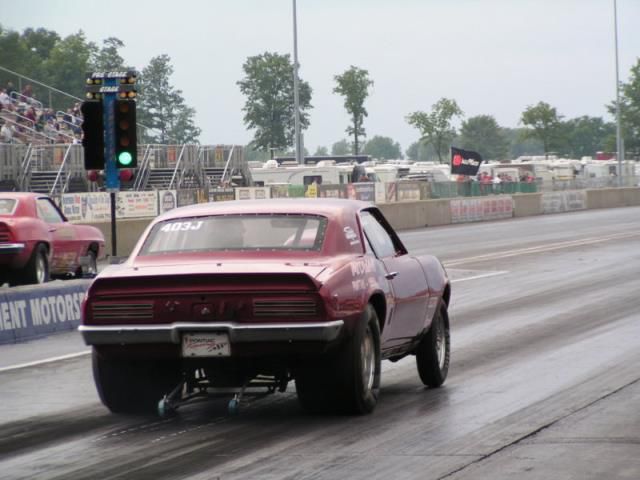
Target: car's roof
309 206
21 195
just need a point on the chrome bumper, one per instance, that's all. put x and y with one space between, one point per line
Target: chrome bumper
238 333
10 248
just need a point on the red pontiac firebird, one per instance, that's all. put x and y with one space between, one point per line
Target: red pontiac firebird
37 242
230 294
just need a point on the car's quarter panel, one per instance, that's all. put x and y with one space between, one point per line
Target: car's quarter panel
438 283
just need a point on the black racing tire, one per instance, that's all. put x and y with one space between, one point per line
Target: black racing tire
348 382
433 353
36 270
133 386
92 268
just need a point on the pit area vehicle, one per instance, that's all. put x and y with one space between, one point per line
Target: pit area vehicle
226 297
37 242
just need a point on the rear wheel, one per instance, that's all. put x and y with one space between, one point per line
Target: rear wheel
433 352
348 382
37 268
90 269
133 386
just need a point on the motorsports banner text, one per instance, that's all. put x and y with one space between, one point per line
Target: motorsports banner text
34 311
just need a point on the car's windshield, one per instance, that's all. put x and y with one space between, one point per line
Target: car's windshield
7 206
237 232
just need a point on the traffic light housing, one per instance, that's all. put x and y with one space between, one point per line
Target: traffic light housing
125 133
93 135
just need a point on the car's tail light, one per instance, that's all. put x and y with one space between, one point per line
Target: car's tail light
285 308
5 233
128 312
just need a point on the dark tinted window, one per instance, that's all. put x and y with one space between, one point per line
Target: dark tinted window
377 235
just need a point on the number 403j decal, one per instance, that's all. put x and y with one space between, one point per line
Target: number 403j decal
181 226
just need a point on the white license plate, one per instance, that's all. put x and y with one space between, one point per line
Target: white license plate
205 345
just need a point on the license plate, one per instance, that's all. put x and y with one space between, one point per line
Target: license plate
205 345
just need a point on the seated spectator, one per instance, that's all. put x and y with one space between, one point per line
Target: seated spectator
6 133
31 114
27 91
10 88
5 99
68 116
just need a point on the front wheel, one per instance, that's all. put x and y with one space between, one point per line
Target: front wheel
133 386
433 351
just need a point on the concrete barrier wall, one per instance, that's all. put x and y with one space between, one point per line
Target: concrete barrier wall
128 232
419 214
564 201
38 310
613 197
527 204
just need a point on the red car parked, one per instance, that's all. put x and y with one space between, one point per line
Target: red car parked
234 294
37 242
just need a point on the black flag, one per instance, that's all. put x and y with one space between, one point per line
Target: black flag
465 162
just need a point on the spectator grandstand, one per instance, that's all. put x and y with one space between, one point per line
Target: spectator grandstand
24 119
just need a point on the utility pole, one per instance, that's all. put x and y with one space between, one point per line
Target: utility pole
296 99
619 144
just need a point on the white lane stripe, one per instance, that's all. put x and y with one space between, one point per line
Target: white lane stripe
541 249
46 360
484 275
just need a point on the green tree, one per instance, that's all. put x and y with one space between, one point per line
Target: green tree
269 108
543 123
436 126
588 135
67 65
483 135
252 154
108 57
40 41
412 151
354 85
16 55
162 107
322 151
630 110
382 148
341 147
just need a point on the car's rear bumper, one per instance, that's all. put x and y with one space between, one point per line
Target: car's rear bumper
324 332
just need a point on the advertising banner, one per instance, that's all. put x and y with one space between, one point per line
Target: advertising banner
86 207
137 204
365 191
481 209
222 194
408 191
332 191
253 193
557 202
167 200
279 191
33 311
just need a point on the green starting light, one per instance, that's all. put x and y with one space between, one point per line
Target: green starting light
125 159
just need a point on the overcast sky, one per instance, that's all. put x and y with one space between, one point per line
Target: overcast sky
493 57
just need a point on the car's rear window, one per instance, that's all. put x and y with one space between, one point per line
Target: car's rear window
8 206
237 232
